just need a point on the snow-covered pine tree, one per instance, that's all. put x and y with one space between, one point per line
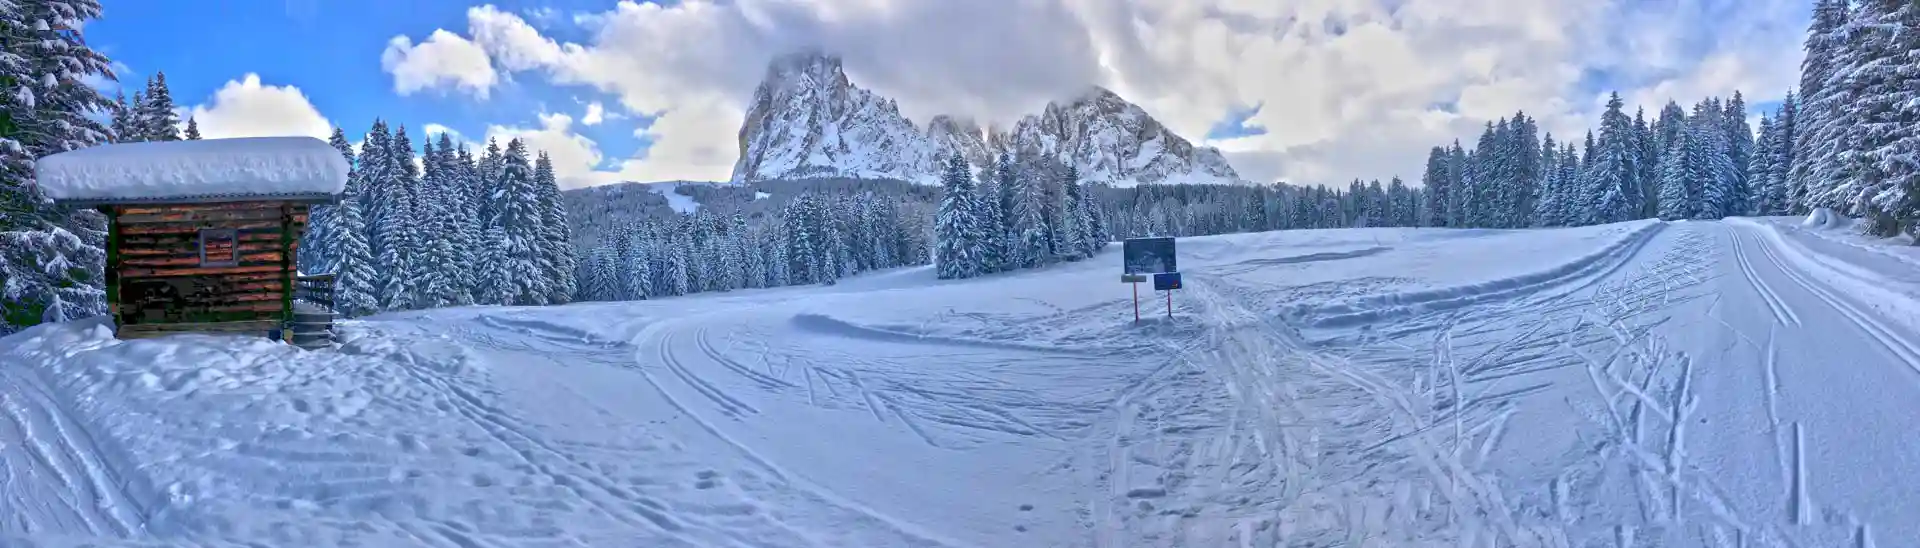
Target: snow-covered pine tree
469 237
517 215
1759 166
1787 123
1646 143
158 121
1523 156
1545 211
44 109
1029 235
1718 183
121 119
1826 121
997 238
637 264
1885 158
1439 188
321 243
399 226
193 129
559 237
1612 194
1087 241
1678 189
1739 139
957 237
436 210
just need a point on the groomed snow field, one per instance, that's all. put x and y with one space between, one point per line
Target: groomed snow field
1750 382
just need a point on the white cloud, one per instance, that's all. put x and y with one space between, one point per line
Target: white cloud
1348 86
574 155
596 113
444 58
246 108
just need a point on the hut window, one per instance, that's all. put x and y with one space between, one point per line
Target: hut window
219 247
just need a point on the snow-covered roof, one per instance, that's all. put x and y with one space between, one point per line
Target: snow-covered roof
245 168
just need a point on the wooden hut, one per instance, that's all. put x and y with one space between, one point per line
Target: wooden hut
201 235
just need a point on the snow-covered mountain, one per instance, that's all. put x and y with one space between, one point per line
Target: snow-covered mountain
808 120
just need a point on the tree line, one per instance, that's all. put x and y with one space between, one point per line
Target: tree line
1013 218
817 238
447 228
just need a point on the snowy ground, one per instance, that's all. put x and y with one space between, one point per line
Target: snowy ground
1739 383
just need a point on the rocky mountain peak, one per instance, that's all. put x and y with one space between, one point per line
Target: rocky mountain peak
809 120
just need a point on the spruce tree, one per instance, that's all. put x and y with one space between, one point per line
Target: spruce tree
956 234
1610 179
1759 166
193 129
557 249
158 122
1677 186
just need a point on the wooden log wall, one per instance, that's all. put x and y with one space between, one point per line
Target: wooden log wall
156 280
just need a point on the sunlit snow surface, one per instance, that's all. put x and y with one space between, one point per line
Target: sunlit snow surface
1640 384
279 166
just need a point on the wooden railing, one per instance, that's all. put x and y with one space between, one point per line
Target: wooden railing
316 289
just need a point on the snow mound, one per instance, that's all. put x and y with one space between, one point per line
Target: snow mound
1372 308
1823 218
163 170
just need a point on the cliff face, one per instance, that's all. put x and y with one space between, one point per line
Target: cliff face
808 120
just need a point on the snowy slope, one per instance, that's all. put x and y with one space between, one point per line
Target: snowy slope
808 120
1638 384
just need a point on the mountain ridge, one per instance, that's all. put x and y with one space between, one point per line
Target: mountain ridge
808 119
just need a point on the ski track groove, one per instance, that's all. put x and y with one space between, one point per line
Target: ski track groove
497 427
679 369
701 339
1781 312
661 335
1873 327
87 486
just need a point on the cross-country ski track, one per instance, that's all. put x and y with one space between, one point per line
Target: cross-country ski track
1732 383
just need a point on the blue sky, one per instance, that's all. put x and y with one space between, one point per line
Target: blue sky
1308 92
330 50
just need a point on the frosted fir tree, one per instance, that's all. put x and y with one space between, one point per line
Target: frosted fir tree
400 247
559 235
1718 179
1609 182
353 264
997 238
193 129
1759 168
1029 243
1439 187
157 119
453 227
517 216
1087 240
1738 136
469 233
320 243
121 120
1790 199
435 205
638 283
1678 188
1828 121
957 230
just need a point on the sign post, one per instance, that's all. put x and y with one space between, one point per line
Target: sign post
1155 257
1134 279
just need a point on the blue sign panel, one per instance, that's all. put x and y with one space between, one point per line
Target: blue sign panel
1166 281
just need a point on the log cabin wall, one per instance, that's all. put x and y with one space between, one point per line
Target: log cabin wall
202 267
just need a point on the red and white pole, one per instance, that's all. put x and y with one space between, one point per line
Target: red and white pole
1136 303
